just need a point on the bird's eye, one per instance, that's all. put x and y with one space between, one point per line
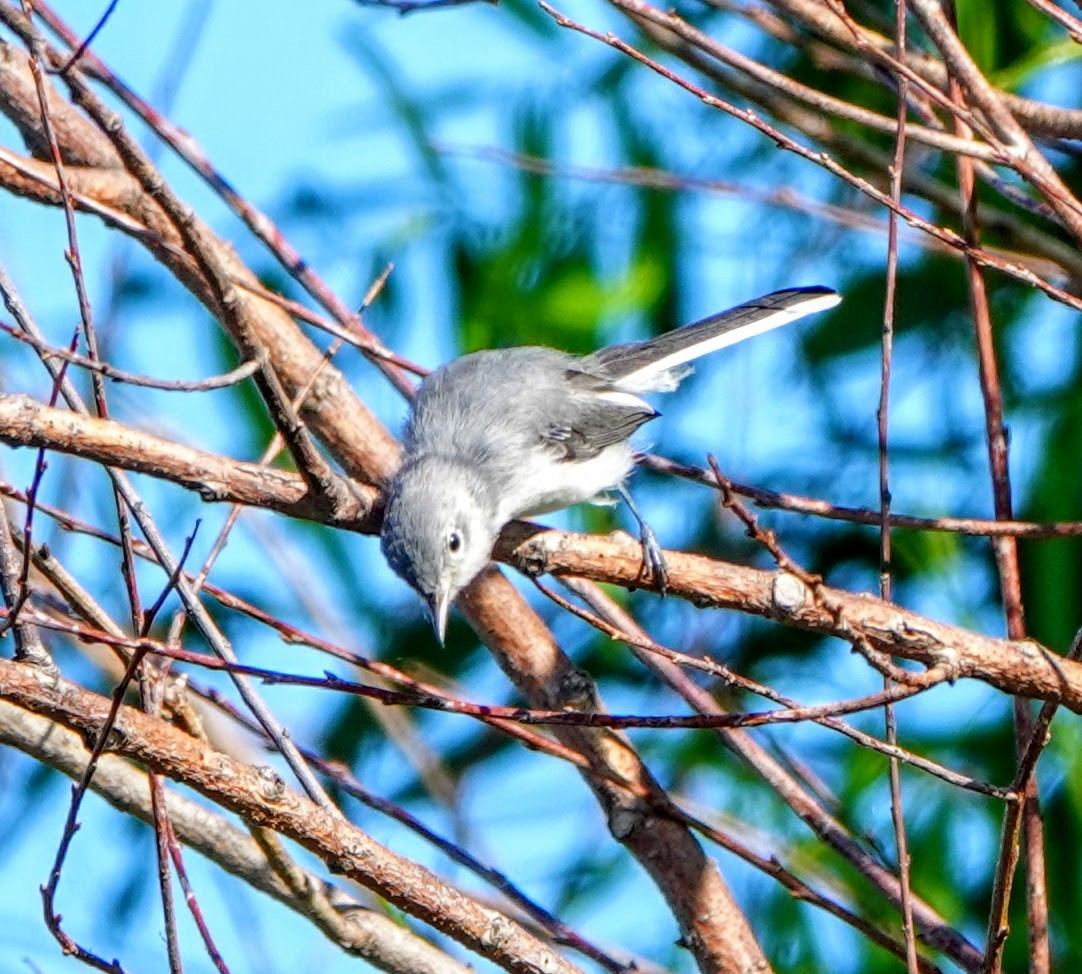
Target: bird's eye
454 542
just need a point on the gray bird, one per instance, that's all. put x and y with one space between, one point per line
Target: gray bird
510 433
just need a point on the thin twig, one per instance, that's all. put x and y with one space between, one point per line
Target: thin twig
257 222
823 160
150 690
45 350
415 6
783 197
883 430
965 81
90 38
816 507
1067 21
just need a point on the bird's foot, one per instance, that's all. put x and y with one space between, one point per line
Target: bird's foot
653 560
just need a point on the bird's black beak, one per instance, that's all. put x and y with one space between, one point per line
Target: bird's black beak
439 607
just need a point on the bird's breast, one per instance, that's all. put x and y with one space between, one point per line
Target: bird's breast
550 484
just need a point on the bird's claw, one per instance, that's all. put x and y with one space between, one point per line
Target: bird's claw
653 560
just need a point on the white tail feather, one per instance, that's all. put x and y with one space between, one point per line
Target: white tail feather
655 376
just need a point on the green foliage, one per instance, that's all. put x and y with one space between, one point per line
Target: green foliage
1052 570
1008 41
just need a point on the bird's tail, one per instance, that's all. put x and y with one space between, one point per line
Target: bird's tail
641 366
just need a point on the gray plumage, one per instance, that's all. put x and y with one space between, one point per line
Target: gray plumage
508 433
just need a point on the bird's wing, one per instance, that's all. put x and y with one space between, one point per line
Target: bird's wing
640 366
591 415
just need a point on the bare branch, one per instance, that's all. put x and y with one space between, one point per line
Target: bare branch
1023 668
364 933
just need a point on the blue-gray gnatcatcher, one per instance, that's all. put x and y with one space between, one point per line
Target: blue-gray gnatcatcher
508 433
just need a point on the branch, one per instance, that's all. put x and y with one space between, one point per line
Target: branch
26 422
815 507
1022 668
261 797
1038 117
359 931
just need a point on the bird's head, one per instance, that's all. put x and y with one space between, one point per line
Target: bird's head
438 530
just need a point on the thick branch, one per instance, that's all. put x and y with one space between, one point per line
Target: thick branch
26 422
259 796
358 931
1020 667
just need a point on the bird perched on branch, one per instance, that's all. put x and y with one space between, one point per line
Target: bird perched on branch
508 433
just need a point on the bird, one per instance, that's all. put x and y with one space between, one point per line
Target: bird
502 434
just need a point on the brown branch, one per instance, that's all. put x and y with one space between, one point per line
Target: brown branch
886 563
47 351
1022 668
815 507
26 422
1018 667
488 713
260 797
934 926
110 634
1024 815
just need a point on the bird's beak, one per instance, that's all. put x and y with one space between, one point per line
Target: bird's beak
439 606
